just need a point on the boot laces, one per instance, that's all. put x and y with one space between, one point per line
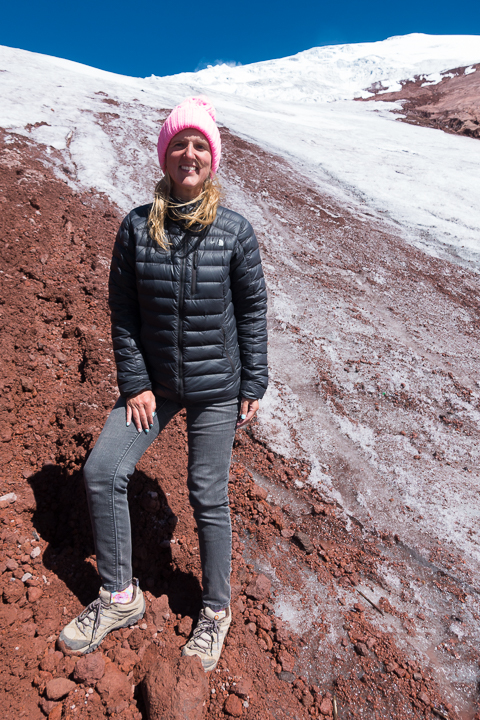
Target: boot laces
205 627
91 613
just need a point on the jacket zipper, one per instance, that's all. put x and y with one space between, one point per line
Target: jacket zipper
194 272
226 350
181 296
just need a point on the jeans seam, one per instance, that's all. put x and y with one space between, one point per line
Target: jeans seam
219 504
112 500
112 489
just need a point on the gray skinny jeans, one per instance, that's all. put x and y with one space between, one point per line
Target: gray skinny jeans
211 429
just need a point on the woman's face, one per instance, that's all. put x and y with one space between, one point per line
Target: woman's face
189 161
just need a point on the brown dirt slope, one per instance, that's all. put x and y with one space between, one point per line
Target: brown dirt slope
452 105
58 384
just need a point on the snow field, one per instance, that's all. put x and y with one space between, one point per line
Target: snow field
299 107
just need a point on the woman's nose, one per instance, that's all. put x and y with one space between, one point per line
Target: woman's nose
189 150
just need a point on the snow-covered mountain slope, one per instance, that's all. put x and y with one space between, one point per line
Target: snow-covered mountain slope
420 179
340 72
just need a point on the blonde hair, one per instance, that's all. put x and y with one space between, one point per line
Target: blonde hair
203 213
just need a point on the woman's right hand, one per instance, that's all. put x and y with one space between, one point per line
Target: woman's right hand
141 409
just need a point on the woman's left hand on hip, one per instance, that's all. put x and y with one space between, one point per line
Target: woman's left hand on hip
248 408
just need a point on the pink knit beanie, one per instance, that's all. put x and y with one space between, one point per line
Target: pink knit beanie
195 112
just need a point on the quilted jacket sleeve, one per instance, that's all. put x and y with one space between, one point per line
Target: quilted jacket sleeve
250 302
132 374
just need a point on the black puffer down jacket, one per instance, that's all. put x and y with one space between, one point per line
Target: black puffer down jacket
189 322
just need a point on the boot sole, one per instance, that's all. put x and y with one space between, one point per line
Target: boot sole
207 666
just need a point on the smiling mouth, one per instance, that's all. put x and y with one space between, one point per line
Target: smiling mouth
187 168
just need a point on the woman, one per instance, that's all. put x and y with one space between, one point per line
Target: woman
188 306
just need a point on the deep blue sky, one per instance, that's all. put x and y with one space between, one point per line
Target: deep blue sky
143 38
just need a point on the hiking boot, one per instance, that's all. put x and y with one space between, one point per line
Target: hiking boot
85 633
208 636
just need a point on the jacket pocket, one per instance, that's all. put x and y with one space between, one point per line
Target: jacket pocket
226 350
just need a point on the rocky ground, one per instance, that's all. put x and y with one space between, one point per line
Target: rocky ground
452 104
58 384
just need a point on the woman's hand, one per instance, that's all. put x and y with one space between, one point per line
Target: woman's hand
141 409
248 408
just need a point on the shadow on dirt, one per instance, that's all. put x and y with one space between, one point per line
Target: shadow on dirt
61 518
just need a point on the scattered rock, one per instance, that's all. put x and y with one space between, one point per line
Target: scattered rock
13 591
40 680
264 622
175 691
303 541
7 499
286 660
244 688
114 686
27 384
27 502
286 676
240 606
423 697
307 699
48 706
34 594
50 661
35 552
233 706
259 588
361 649
326 706
159 611
278 519
89 669
58 688
125 658
56 713
5 436
136 639
185 626
258 493
281 633
266 638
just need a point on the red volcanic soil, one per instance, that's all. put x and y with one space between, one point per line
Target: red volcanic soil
452 105
58 384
